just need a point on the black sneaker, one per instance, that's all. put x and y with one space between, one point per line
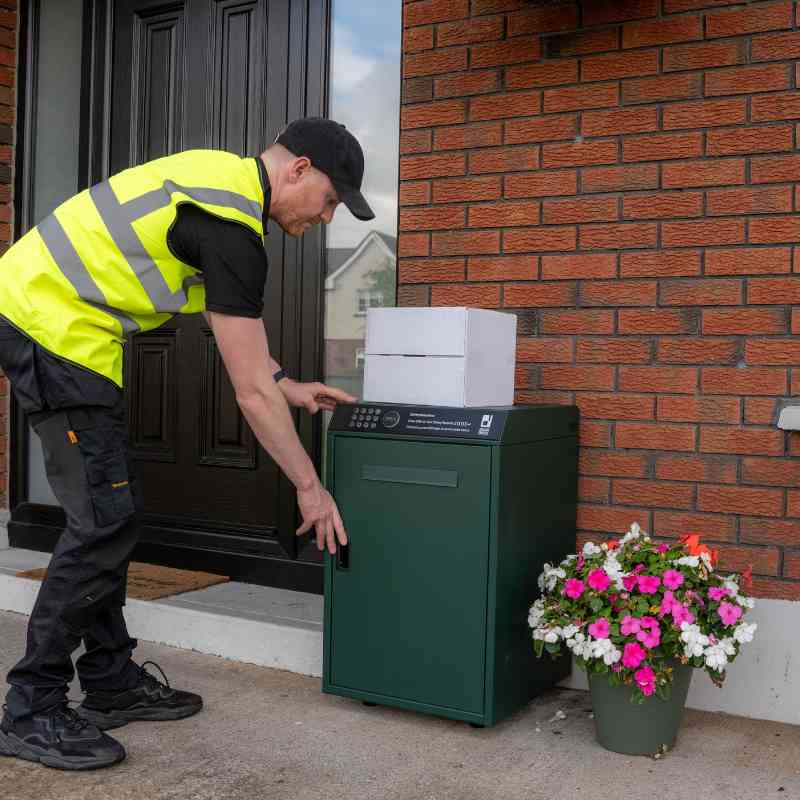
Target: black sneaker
150 699
58 738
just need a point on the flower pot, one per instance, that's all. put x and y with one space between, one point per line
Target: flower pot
638 729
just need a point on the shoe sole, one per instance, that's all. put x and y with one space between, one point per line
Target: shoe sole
11 745
107 720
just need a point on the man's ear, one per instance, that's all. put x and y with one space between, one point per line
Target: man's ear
299 168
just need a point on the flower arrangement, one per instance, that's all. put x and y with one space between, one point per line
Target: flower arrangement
632 608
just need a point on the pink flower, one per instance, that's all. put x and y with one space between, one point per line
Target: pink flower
638 568
681 614
598 580
600 629
717 593
646 680
651 638
632 655
616 667
662 548
729 613
629 582
648 584
648 622
630 625
573 588
672 579
666 604
580 562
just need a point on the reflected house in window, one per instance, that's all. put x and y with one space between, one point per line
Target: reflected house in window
359 278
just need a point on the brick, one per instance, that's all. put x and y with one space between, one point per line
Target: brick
694 350
577 322
705 114
651 436
760 381
748 441
429 218
434 62
659 263
653 494
544 349
541 130
578 377
431 270
7 76
768 230
767 200
687 174
469 31
432 166
663 204
426 115
578 154
619 65
416 39
618 293
547 73
570 267
427 12
701 469
540 295
793 503
764 561
504 159
601 12
543 398
495 215
543 19
418 141
776 106
667 87
467 83
740 500
468 136
710 292
525 377
484 296
615 350
466 189
758 17
771 471
502 268
577 98
703 232
744 320
662 31
619 120
775 589
576 44
776 47
774 169
527 240
676 380
609 519
657 320
584 209
627 235
782 532
703 56
791 566
615 406
497 106
747 80
748 261
594 434
465 242
595 462
417 90
768 352
757 139
593 490
512 51
714 528
616 179
795 321
758 411
662 146
494 6
415 193
413 244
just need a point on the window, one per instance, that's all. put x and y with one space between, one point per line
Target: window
360 358
368 298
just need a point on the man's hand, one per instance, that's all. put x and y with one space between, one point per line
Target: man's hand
313 396
319 511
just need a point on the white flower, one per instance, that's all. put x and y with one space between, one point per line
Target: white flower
717 654
706 558
745 602
591 549
581 646
732 586
613 569
604 648
568 560
744 631
536 613
695 642
569 631
549 577
633 533
687 561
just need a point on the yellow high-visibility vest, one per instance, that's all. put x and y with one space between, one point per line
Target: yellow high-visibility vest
99 267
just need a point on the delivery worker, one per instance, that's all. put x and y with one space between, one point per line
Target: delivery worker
178 235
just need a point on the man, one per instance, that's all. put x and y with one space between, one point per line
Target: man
181 234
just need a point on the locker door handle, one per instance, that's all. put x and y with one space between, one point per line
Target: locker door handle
343 556
424 476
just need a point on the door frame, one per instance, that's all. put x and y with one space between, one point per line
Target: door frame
232 550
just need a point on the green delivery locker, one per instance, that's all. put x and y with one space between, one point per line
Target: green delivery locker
450 514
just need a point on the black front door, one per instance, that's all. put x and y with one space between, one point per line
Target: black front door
224 74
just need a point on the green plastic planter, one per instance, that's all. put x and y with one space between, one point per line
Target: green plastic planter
638 729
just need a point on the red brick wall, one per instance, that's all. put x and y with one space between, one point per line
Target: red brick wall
625 176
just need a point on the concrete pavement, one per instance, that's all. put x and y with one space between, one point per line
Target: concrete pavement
271 734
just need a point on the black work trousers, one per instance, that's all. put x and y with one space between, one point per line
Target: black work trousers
81 421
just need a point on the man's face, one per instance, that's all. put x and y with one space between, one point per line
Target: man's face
311 198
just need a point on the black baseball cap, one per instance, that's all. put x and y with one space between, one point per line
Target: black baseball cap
332 149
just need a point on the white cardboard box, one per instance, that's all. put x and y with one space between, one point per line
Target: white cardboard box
462 357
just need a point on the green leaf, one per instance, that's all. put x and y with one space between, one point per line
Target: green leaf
538 647
552 647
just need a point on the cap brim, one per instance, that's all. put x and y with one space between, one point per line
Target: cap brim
355 201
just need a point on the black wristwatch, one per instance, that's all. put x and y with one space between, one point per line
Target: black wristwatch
276 376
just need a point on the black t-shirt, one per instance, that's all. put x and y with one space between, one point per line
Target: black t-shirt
229 254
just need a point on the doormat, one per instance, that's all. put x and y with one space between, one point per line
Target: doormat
151 581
